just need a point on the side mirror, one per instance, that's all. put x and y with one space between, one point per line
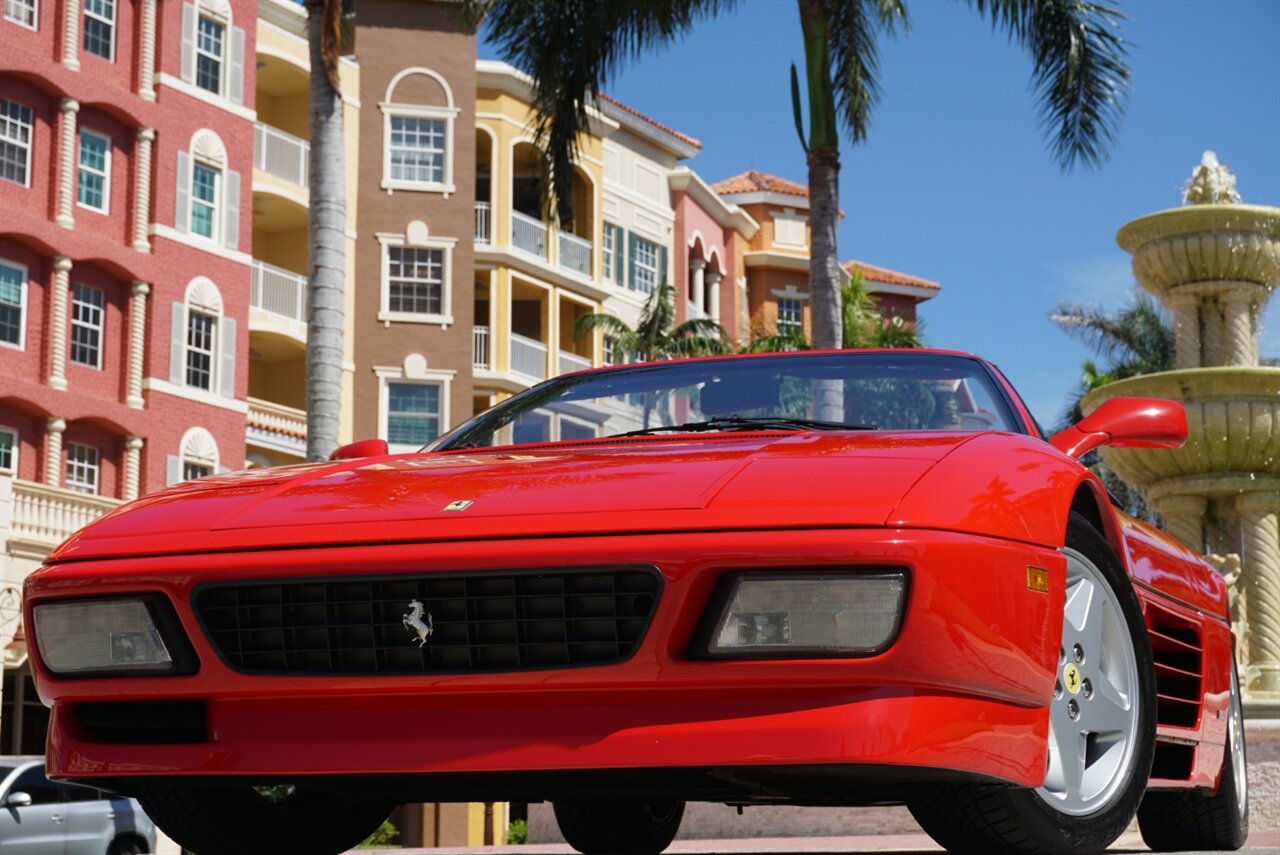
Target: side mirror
1126 423
363 448
18 799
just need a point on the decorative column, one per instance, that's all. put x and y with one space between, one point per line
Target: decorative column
1186 328
713 295
142 190
1241 346
137 342
58 328
1184 518
67 162
1260 520
53 453
132 466
697 270
147 53
71 34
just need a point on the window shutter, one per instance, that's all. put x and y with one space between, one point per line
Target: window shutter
172 470
228 356
231 209
188 68
182 216
235 88
662 267
177 344
631 268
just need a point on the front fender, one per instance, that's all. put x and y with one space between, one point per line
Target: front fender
1003 485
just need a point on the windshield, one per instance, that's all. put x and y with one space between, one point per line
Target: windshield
868 390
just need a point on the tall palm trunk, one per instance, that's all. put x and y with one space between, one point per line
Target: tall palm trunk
326 223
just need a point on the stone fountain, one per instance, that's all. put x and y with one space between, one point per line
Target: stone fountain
1214 263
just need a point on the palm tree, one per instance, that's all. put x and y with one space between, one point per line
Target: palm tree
571 49
329 29
657 336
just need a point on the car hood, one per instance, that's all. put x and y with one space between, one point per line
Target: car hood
668 483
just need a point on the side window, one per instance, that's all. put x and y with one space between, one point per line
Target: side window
212 50
35 784
8 450
100 28
75 793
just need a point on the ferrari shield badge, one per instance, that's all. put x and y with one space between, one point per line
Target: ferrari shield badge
414 620
1071 678
458 506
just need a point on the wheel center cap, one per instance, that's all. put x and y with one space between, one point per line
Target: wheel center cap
1071 678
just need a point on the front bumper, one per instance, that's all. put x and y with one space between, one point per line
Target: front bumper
964 688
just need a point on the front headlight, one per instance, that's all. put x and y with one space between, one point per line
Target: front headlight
807 615
120 636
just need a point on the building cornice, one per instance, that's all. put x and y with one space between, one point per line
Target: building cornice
780 260
684 179
919 293
647 130
492 74
766 197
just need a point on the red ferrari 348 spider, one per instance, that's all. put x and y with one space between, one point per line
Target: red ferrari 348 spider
858 577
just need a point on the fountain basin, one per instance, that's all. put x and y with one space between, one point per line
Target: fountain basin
1204 243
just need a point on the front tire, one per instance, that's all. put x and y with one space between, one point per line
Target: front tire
1101 728
599 827
1193 819
242 821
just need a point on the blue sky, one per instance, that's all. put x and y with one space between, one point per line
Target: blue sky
956 182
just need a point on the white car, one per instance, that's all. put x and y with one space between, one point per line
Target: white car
42 817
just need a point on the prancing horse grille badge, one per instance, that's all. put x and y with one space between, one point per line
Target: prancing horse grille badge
413 619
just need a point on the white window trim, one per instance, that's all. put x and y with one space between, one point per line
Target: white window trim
215 356
199 448
31 142
22 326
35 17
789 215
95 467
224 76
609 253
445 318
101 325
219 186
796 324
106 171
414 111
115 15
396 374
13 454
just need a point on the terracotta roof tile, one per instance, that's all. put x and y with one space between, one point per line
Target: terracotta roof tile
872 273
633 111
752 181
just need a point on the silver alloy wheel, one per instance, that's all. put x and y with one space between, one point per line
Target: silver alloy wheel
1093 717
1235 744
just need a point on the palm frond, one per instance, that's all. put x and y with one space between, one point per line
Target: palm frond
780 343
612 326
1079 70
852 27
1138 333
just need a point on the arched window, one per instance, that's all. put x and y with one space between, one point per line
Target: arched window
202 345
212 49
208 192
417 137
197 457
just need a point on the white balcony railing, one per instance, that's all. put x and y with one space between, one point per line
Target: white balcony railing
279 291
575 254
46 515
528 357
480 347
280 154
528 234
276 427
482 222
572 362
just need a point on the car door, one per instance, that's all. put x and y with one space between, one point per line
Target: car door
38 828
91 820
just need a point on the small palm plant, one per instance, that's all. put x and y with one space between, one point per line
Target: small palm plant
657 336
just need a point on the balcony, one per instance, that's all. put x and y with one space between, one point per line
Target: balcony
480 348
529 235
280 154
44 516
276 427
279 291
572 362
528 357
575 254
483 222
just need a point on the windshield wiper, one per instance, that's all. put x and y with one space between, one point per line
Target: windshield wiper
746 423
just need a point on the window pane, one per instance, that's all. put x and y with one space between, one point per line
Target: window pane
415 280
191 470
413 413
200 331
15 140
86 325
8 442
204 195
790 316
209 47
417 149
99 22
646 265
82 468
92 180
21 11
11 294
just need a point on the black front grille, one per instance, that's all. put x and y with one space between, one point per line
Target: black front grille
479 621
